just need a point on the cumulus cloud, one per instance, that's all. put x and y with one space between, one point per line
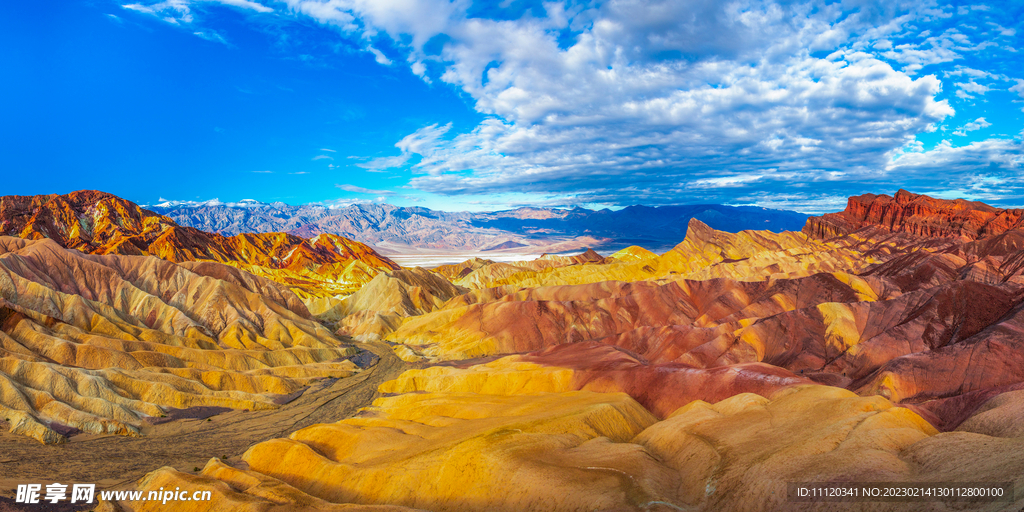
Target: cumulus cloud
361 190
659 102
1019 88
973 87
669 96
976 155
797 119
988 170
977 124
420 69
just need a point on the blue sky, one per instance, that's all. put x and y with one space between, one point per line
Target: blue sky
487 105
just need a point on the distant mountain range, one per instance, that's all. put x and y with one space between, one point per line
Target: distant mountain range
397 230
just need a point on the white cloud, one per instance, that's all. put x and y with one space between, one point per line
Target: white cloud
804 115
244 4
987 170
973 87
361 190
211 36
379 56
171 11
423 139
672 98
419 19
419 69
1019 88
422 142
323 157
945 155
977 124
328 150
811 203
741 91
968 71
178 12
387 162
343 203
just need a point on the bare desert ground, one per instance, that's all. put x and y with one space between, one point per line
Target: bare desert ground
113 462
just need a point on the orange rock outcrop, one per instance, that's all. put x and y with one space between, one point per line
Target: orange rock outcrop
100 223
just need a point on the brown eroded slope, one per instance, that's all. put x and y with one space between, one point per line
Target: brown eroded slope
100 223
101 343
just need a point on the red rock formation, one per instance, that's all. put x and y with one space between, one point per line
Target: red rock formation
916 214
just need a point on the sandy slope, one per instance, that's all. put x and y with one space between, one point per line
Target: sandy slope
113 461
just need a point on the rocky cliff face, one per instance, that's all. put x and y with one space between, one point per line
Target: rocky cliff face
88 221
918 215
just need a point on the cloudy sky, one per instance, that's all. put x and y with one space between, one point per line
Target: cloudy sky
485 105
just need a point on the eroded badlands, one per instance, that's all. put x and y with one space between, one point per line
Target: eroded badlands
884 343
